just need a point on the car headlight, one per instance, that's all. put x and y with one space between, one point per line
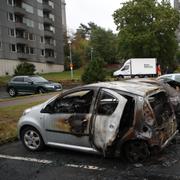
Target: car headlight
49 86
26 111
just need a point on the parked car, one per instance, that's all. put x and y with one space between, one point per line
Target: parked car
111 118
31 84
172 79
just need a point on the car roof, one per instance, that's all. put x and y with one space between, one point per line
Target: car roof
140 88
165 75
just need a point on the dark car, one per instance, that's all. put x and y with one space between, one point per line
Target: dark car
31 84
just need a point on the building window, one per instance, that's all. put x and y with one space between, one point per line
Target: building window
40 13
51 16
31 37
51 4
41 26
13 47
31 50
11 32
0 44
28 8
39 1
42 52
27 50
42 39
51 28
10 2
54 42
11 17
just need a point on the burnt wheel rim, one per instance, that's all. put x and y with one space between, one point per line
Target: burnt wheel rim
32 139
137 151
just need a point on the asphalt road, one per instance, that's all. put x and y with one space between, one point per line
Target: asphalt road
16 163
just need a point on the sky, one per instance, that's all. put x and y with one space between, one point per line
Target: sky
97 11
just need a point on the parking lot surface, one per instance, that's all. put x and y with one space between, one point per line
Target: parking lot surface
16 163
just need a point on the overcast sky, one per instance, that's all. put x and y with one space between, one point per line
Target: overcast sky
97 11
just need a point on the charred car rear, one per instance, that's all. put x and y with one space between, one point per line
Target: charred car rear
109 118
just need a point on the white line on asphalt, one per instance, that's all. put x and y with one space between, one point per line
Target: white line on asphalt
43 161
85 167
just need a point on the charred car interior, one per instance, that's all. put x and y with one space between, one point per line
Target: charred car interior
110 118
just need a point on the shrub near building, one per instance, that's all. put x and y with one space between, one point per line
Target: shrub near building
24 69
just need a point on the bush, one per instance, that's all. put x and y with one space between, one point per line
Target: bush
25 69
94 72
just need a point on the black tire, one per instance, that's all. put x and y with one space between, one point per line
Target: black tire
41 90
136 151
12 92
120 77
32 139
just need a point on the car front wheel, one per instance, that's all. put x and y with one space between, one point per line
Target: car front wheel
32 139
12 92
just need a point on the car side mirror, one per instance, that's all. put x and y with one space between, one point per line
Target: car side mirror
48 109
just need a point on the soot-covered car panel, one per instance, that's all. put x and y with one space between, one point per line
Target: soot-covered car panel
110 118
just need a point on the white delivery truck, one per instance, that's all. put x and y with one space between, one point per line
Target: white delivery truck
137 67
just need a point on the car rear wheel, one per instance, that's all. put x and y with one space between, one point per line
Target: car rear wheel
41 90
12 92
136 151
32 139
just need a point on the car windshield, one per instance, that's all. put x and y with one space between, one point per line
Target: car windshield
38 79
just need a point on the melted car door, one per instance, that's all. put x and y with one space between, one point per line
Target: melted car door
69 122
105 124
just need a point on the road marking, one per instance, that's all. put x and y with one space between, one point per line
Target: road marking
89 167
43 161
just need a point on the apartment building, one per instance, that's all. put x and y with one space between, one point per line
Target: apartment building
32 31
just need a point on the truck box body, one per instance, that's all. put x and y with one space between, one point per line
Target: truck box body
137 66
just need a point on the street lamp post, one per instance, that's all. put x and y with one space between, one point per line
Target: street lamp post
91 54
70 57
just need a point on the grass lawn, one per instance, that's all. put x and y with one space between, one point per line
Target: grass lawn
63 76
9 118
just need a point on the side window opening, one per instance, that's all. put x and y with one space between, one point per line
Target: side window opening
78 102
128 115
107 104
161 107
125 68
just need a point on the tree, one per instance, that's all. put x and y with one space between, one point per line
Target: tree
104 44
94 72
24 69
147 29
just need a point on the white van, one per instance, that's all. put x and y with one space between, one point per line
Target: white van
137 67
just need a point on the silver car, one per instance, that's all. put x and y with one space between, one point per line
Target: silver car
110 118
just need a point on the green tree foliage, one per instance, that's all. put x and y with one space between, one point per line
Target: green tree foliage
147 29
104 44
94 72
25 69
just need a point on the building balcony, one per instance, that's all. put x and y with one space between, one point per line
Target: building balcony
19 10
49 46
47 7
21 40
48 20
48 33
50 60
22 56
20 25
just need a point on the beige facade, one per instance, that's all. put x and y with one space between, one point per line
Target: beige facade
7 67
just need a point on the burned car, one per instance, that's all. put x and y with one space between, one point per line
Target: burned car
110 118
